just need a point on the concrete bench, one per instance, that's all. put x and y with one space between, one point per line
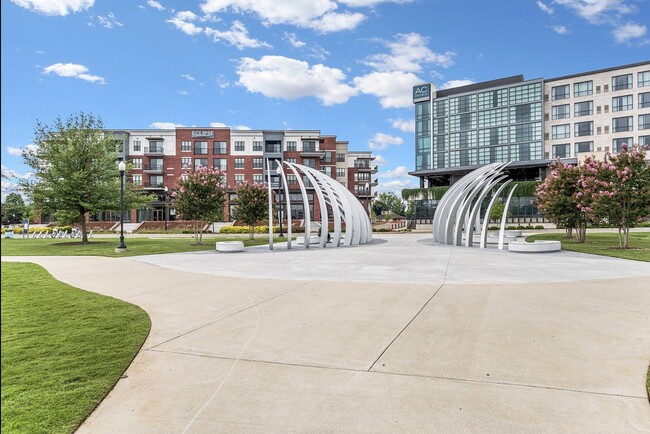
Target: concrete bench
230 246
314 239
538 246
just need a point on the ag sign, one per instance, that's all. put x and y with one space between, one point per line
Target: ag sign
422 92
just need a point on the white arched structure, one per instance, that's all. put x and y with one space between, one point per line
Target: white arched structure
458 211
345 207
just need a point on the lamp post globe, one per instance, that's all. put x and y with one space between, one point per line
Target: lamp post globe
121 247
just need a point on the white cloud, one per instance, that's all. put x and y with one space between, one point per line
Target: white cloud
597 11
293 40
183 22
560 30
286 78
295 12
392 88
188 77
73 70
55 7
109 21
379 161
165 125
17 152
183 92
407 54
406 125
399 172
237 36
369 3
336 22
629 31
381 141
396 186
154 4
545 8
456 83
222 125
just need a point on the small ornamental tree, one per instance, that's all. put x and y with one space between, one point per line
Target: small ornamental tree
622 190
556 196
252 205
200 197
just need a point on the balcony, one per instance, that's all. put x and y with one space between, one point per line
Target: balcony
374 183
154 150
311 151
153 169
153 185
366 168
273 149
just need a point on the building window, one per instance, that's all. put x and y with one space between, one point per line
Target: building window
155 164
488 118
560 92
309 162
258 178
583 129
561 151
240 146
257 146
584 147
643 79
156 146
561 131
340 158
186 162
220 164
644 122
644 140
292 146
239 179
622 82
309 146
623 124
291 160
186 146
258 163
137 146
239 163
462 104
200 162
585 108
617 144
219 148
156 181
526 93
467 121
291 179
583 89
644 100
201 148
526 113
439 108
560 111
340 172
136 179
493 98
620 103
526 132
137 163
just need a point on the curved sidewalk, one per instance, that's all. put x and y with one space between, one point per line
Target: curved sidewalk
397 336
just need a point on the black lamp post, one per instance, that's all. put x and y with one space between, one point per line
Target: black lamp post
166 208
122 246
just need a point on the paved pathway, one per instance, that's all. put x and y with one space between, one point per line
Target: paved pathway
397 336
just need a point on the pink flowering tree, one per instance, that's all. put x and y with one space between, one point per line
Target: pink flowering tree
201 197
252 205
557 196
622 190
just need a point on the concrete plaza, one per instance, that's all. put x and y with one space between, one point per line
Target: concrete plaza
397 336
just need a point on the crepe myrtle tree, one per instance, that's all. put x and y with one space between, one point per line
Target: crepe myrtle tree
252 205
201 197
74 166
621 189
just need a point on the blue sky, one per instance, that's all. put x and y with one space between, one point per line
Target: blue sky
345 67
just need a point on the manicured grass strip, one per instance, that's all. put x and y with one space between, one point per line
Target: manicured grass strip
63 349
106 246
605 244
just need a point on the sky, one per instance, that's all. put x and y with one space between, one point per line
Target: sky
344 67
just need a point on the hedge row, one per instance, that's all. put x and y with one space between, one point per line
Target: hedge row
18 230
257 229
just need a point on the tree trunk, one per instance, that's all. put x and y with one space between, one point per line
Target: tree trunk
581 232
569 232
84 235
251 233
626 238
620 237
200 232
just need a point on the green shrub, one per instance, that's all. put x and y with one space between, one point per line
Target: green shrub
511 228
539 227
493 228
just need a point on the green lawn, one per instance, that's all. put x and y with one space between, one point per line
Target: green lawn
605 244
63 349
106 246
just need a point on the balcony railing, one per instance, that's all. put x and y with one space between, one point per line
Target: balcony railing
273 149
150 168
154 150
153 185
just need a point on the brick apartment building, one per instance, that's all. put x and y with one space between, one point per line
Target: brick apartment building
160 157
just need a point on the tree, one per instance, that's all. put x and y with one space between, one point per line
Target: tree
75 172
252 205
388 201
201 197
14 209
622 190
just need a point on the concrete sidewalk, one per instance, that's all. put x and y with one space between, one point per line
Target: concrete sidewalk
358 340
